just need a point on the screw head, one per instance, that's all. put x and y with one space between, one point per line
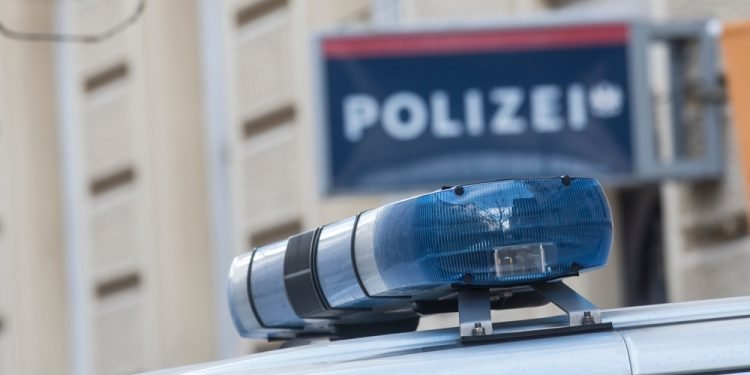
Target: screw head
587 318
565 180
478 329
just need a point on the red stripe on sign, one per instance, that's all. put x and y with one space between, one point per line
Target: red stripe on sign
475 41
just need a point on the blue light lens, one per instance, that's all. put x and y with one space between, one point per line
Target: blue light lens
501 233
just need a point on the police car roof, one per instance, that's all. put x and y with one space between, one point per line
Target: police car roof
700 336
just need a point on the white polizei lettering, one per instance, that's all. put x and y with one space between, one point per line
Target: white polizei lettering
360 112
545 109
404 128
577 107
474 112
443 126
508 101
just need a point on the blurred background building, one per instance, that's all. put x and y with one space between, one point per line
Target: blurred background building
133 170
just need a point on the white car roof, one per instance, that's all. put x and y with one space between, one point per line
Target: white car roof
700 337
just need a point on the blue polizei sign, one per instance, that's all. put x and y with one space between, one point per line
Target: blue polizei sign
424 109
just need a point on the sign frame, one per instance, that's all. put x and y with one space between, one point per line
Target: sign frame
649 164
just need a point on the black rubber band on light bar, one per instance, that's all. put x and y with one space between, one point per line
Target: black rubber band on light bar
354 258
300 277
356 270
250 291
314 269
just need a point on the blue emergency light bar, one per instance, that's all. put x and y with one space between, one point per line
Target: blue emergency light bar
372 267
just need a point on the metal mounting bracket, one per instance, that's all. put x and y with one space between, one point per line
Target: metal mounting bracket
474 312
475 320
580 311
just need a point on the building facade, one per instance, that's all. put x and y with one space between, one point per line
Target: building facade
133 170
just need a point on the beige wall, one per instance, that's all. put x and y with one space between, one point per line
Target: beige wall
180 205
146 253
32 293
